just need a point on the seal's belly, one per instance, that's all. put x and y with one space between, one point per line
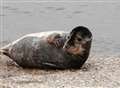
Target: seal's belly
36 52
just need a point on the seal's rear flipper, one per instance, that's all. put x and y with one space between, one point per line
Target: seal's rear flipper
4 52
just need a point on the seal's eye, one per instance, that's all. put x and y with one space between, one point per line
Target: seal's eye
68 37
79 39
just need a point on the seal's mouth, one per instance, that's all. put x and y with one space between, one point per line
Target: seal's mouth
75 50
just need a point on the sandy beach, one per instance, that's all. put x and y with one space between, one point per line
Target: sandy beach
102 69
96 73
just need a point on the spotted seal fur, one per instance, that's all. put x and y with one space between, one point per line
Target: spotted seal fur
51 50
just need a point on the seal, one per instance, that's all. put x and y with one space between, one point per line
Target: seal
51 50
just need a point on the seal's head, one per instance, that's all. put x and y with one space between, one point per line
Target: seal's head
79 41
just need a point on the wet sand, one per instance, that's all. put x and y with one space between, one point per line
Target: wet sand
103 66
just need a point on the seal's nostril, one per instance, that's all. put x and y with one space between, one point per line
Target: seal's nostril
67 46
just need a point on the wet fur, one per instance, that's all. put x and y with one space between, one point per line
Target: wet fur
35 52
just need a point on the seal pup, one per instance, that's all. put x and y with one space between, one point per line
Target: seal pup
51 50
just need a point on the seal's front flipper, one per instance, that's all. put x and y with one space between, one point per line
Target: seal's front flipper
48 65
51 38
56 39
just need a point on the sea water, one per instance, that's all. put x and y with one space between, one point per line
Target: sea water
102 18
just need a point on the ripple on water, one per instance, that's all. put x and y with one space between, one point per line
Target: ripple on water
13 9
2 15
50 7
78 12
26 12
83 5
60 8
6 7
55 8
